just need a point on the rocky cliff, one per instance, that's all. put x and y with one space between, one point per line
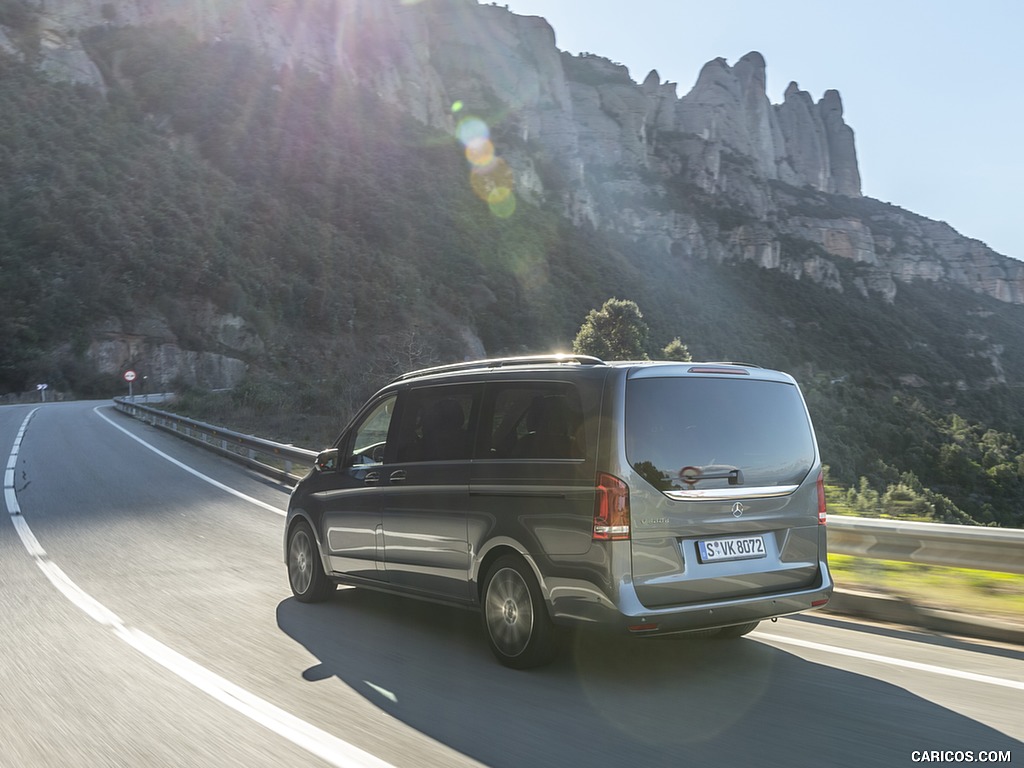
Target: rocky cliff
718 173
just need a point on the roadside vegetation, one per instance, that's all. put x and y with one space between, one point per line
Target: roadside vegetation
971 592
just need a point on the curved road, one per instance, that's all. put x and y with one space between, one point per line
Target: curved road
147 621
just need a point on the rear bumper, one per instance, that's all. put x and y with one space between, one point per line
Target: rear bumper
585 606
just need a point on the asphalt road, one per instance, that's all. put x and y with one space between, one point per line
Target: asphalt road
146 620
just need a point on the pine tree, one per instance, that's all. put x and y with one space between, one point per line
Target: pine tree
617 331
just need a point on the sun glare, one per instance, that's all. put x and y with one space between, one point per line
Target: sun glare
490 177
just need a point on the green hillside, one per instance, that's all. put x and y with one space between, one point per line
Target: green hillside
348 236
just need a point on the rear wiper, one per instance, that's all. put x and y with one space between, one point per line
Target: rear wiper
690 476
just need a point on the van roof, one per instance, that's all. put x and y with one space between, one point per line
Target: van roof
503 362
559 360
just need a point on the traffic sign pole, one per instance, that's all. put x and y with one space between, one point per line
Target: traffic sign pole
129 376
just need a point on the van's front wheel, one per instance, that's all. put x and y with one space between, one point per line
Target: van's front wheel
519 630
305 572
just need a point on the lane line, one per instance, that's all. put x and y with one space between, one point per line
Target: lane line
10 497
11 500
892 661
187 468
32 546
329 748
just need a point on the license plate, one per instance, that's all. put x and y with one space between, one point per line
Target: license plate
736 548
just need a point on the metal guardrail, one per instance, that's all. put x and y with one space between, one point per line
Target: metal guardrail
958 546
275 459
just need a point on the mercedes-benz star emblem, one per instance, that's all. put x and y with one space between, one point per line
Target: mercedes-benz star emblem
738 509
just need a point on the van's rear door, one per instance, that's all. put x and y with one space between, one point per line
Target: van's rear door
724 496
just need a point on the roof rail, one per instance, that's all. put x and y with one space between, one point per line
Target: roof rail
502 362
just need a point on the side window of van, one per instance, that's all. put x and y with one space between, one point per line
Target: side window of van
371 435
435 423
537 420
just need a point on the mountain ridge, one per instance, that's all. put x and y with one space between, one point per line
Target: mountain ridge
591 119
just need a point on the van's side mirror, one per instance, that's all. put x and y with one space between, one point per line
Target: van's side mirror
327 461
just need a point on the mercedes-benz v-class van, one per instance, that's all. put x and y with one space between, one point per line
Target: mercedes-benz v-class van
563 491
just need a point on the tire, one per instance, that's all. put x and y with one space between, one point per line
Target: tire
515 617
305 569
737 630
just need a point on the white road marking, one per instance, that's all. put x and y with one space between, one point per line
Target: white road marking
10 499
189 469
892 661
329 748
25 534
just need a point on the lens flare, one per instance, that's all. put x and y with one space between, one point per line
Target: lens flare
472 129
492 183
490 177
504 208
480 152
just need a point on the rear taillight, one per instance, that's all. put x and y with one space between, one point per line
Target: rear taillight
822 515
611 509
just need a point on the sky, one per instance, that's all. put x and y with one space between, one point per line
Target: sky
933 89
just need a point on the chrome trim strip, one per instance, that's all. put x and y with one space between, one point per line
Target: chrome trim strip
720 494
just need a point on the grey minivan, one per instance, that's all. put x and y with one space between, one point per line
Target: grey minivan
558 491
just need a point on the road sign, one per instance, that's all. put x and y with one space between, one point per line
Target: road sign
129 376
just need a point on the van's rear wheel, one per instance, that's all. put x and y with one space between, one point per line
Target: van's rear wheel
737 630
305 570
519 630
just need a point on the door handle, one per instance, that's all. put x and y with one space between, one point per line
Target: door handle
398 476
372 478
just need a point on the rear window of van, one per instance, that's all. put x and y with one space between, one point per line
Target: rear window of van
695 433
